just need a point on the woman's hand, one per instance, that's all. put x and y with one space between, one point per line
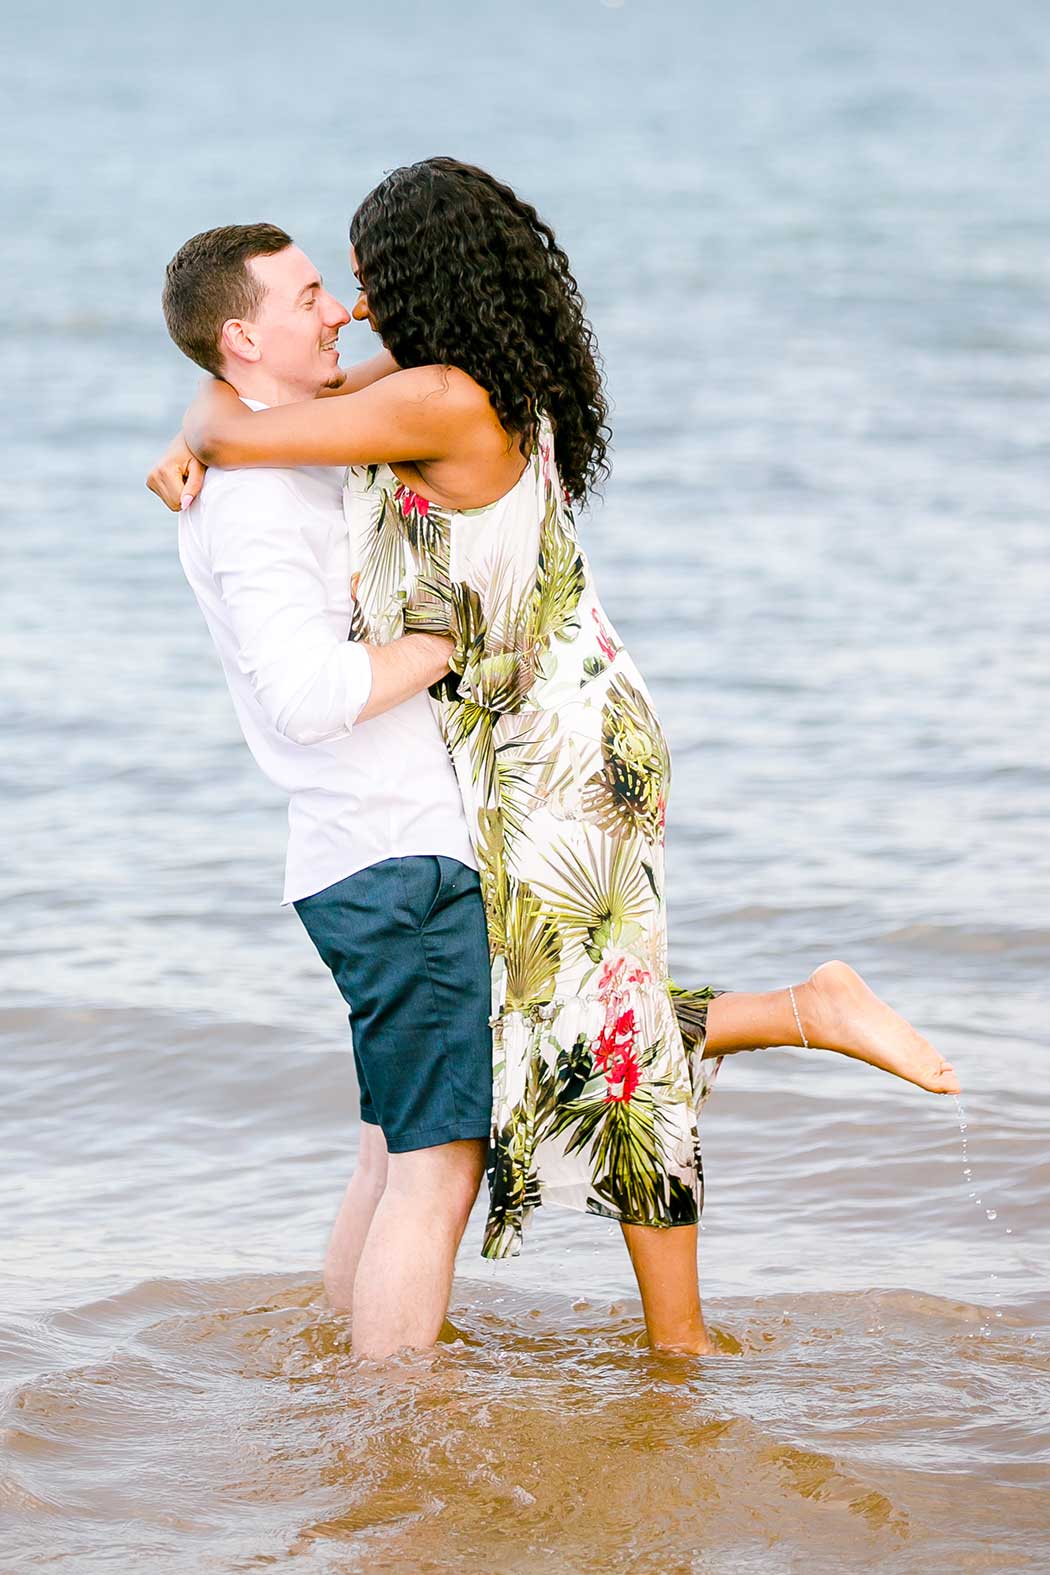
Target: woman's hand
177 477
216 413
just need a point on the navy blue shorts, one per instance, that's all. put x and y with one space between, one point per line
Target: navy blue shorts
407 946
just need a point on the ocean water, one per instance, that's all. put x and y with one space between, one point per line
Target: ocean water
814 245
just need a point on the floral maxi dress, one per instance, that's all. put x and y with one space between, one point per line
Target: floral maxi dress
598 1077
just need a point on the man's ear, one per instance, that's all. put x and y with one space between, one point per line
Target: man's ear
239 340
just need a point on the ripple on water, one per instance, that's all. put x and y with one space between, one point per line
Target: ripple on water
230 1415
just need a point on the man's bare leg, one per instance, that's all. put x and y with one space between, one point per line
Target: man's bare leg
838 1012
404 1273
664 1263
355 1217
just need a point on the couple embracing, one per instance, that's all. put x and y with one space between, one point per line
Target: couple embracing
388 562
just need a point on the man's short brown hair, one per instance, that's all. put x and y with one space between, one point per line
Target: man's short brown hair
208 282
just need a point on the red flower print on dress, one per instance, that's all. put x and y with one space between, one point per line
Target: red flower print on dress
605 640
617 973
623 1077
614 1051
616 1038
410 502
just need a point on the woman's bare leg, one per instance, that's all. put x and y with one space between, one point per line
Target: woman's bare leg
664 1263
838 1012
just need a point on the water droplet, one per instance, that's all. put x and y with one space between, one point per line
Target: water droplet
968 1173
1009 1230
990 1214
998 1312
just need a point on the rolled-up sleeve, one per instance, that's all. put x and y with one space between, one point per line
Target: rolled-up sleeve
310 681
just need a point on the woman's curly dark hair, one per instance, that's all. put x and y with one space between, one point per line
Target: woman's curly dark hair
461 272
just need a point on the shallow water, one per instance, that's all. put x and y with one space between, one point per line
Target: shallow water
814 250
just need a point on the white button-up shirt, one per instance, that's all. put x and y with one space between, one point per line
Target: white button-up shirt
267 555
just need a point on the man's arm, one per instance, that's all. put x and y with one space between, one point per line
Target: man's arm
312 685
402 669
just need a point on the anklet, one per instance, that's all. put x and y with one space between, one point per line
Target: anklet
798 1020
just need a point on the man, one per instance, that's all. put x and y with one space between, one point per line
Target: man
379 862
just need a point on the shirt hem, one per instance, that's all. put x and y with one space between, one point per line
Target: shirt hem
293 893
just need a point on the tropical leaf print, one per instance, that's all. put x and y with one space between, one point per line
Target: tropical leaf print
522 753
489 850
629 793
560 581
574 1068
621 1134
425 528
531 949
690 1008
470 730
598 1068
597 892
631 1173
384 568
514 1181
358 623
468 626
499 682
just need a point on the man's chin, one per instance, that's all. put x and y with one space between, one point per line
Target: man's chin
337 379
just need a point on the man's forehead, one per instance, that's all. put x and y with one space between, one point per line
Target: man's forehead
289 270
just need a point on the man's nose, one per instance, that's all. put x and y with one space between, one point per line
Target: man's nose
337 314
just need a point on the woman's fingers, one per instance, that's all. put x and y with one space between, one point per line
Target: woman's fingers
166 480
193 483
176 476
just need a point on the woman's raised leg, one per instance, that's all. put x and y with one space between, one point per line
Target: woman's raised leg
836 1011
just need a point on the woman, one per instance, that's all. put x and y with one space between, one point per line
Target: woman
464 465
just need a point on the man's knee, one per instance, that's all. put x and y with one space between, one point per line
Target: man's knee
444 1179
370 1169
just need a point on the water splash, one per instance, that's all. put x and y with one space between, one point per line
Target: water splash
990 1214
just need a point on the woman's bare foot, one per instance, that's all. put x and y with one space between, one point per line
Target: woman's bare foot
839 1012
697 1345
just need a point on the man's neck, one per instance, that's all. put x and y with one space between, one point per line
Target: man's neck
256 383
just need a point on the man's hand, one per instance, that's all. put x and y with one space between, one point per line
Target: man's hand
177 477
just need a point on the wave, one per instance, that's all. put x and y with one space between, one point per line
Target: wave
230 1415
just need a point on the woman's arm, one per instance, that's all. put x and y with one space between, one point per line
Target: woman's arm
420 414
363 375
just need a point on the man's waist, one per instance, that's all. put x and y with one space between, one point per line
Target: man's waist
315 862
